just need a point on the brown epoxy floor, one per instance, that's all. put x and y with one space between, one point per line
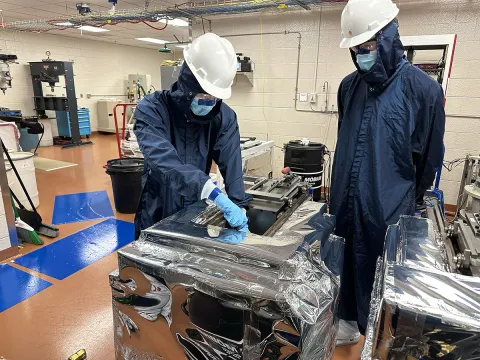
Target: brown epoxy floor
74 313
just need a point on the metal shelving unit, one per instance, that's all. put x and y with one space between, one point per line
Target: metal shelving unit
439 69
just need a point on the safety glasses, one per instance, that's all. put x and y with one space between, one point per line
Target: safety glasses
365 48
206 99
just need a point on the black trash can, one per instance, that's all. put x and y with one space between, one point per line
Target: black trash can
126 175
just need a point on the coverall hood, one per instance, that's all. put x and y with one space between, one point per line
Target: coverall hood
184 90
390 55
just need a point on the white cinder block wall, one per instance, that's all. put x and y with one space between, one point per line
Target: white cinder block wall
100 68
266 109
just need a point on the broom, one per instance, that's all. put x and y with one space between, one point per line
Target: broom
32 218
24 231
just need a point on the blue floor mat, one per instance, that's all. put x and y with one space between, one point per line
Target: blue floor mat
17 285
75 252
81 206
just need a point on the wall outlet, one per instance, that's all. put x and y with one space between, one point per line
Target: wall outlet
303 97
313 98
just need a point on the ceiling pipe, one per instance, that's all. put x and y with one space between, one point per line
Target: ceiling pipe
189 9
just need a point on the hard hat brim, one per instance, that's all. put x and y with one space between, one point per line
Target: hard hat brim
219 93
347 43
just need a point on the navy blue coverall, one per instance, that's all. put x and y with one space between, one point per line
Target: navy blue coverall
390 144
179 147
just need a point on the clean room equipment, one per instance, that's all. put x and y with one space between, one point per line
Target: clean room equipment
200 290
138 86
251 148
464 234
419 309
5 75
49 71
105 115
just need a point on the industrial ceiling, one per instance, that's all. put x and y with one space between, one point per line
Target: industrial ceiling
130 19
41 12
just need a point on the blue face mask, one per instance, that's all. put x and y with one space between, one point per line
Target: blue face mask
202 107
366 61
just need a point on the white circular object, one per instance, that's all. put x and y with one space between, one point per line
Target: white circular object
363 19
473 191
23 162
213 62
47 139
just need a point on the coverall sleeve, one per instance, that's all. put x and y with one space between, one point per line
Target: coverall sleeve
153 136
430 158
228 157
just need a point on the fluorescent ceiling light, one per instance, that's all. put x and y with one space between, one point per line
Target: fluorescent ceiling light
92 28
175 22
67 23
181 46
152 40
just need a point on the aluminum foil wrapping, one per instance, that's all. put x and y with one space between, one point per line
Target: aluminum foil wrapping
186 291
129 146
316 227
413 242
420 312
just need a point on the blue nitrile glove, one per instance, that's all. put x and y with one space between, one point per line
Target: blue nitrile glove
244 229
232 213
232 236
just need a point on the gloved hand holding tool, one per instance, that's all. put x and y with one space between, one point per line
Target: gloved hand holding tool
232 213
232 236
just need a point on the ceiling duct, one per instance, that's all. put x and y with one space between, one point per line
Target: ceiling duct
189 10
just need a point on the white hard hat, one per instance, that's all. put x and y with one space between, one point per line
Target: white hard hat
363 19
213 61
